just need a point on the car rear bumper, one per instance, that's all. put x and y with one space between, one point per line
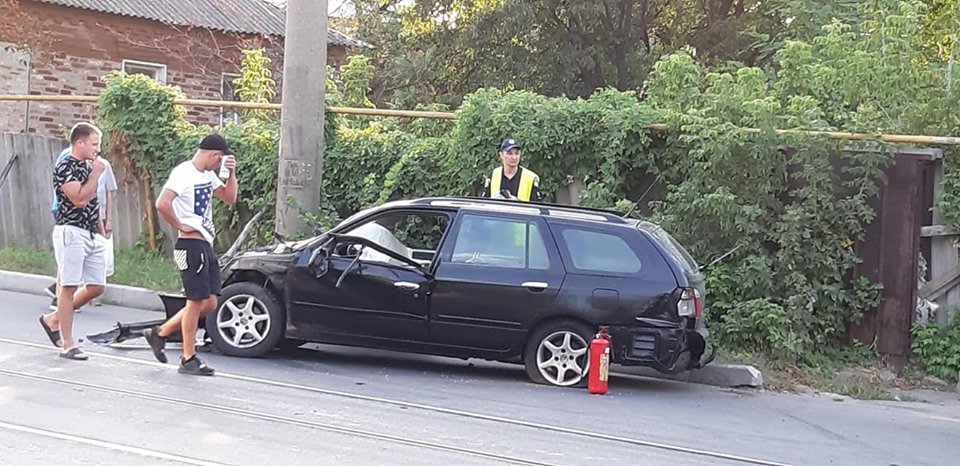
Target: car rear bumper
667 350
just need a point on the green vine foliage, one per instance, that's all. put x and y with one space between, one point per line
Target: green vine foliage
149 128
791 206
938 349
256 83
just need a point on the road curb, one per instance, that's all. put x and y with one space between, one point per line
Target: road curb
718 375
117 295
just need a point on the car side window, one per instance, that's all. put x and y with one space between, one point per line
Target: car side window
500 242
592 251
415 235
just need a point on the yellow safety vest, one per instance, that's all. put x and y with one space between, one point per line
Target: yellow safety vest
527 179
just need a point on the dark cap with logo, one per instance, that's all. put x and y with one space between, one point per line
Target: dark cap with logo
216 142
508 144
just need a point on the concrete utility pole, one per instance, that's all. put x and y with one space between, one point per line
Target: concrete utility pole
301 118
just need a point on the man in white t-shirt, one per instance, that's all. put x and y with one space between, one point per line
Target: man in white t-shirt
186 203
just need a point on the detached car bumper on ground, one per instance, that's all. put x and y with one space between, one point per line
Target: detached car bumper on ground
473 278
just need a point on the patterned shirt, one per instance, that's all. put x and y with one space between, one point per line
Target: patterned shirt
71 169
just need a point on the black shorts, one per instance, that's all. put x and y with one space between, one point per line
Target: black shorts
198 268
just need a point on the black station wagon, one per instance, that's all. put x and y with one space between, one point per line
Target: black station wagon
474 278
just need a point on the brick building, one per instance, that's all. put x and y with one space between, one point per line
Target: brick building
194 44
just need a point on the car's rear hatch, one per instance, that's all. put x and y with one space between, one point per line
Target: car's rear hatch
679 254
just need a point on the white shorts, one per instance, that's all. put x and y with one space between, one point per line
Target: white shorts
80 257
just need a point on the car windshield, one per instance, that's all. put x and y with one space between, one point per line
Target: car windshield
674 248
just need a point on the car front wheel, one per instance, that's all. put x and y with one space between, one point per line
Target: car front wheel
556 354
248 322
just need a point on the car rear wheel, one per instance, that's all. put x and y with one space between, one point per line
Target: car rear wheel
248 322
556 353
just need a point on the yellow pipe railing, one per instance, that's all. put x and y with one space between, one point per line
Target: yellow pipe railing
891 138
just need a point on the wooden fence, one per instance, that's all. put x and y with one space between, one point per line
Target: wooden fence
27 191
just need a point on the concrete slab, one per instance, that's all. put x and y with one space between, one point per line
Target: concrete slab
718 375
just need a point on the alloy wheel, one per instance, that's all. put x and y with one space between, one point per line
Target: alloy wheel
243 321
562 358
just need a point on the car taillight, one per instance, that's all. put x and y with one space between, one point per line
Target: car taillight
691 303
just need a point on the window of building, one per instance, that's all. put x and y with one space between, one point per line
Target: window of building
154 70
228 92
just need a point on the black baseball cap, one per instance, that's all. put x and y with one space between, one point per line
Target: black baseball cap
216 142
508 144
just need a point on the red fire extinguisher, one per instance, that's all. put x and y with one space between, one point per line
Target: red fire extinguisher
599 363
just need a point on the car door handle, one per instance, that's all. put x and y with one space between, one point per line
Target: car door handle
534 286
407 286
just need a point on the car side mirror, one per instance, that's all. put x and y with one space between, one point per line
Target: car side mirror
319 255
319 260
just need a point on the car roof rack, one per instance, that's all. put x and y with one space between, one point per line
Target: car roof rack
543 208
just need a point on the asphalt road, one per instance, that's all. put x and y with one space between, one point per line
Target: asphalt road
359 406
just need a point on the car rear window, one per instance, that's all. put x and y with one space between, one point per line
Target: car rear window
674 248
600 252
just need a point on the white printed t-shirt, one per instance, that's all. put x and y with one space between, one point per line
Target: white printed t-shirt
193 205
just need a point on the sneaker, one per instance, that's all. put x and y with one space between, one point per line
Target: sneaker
157 343
51 291
194 366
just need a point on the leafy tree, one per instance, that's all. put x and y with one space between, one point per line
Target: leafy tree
438 51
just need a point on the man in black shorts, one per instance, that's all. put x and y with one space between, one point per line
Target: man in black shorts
186 203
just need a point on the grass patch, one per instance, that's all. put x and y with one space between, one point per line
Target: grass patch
133 267
850 372
27 260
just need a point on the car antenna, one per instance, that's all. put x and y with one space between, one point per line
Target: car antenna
724 256
636 204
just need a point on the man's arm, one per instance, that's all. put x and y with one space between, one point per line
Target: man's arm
535 190
228 192
535 194
165 207
108 221
81 194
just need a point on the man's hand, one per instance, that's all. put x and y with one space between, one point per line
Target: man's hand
230 163
97 166
108 228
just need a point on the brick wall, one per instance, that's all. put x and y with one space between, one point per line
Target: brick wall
88 45
13 70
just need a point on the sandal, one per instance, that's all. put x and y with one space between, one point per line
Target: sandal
53 335
74 353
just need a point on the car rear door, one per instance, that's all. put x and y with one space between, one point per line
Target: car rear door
615 276
498 273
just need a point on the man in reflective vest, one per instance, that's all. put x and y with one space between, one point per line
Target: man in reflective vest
511 181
